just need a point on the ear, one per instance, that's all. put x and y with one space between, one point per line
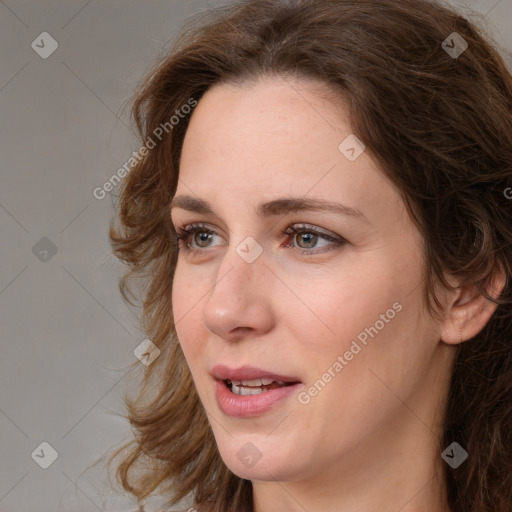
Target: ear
469 311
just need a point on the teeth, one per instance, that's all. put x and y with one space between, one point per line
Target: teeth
253 387
255 382
240 390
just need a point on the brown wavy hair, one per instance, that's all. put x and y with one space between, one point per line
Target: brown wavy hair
440 128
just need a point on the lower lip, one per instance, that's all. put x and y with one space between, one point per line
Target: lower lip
250 405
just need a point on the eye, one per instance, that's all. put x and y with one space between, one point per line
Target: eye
184 234
308 238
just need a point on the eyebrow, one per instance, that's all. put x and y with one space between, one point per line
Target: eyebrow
271 208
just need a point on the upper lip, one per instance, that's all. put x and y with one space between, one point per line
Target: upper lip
222 372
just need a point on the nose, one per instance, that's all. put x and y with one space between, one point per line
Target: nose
239 304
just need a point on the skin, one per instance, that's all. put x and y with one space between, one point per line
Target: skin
369 440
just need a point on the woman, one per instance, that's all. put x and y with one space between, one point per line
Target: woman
322 217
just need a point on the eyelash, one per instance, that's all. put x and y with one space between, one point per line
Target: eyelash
183 234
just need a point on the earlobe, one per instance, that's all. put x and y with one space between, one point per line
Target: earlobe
470 312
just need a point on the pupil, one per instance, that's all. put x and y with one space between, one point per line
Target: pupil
203 234
308 237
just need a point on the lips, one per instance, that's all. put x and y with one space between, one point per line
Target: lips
250 373
248 391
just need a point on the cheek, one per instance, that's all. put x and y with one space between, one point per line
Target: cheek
379 344
352 387
370 316
327 312
186 305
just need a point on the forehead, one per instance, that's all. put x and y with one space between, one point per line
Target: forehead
257 141
264 128
275 102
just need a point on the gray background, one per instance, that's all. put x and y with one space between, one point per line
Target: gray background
67 337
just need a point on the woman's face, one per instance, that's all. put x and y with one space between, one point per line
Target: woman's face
342 315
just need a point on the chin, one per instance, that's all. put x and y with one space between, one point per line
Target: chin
246 461
263 471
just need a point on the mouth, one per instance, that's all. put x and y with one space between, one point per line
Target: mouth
254 386
251 378
249 391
